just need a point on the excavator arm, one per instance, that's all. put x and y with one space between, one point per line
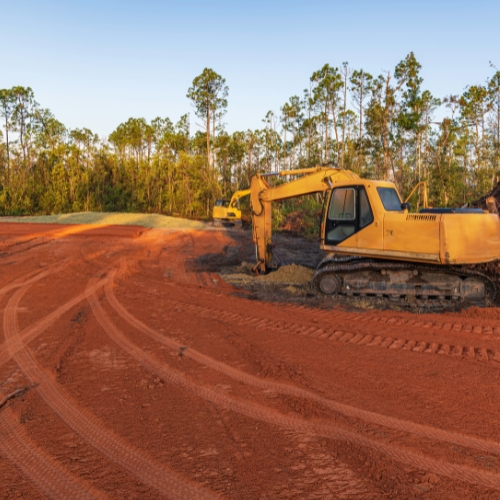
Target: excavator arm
311 180
237 195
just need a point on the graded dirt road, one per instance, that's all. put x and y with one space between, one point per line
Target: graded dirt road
129 371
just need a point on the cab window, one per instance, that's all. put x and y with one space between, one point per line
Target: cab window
365 211
341 220
390 199
349 212
342 205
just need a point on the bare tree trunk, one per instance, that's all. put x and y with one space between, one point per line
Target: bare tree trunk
482 134
498 132
478 154
208 131
426 146
335 128
308 153
276 151
385 129
21 139
213 135
284 148
346 75
326 136
300 151
8 149
360 152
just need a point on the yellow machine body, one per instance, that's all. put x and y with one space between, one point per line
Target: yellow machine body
439 238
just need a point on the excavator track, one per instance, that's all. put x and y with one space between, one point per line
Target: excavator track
402 284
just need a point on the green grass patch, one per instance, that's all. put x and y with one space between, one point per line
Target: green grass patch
110 218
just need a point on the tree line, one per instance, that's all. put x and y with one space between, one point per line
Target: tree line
381 127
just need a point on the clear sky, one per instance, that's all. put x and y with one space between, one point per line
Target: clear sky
97 63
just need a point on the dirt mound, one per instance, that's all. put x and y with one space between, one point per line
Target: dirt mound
292 274
288 282
290 279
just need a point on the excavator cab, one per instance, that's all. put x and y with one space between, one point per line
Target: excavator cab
222 203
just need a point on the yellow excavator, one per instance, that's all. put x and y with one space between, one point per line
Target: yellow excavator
377 248
228 210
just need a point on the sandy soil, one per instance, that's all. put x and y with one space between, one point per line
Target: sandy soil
142 374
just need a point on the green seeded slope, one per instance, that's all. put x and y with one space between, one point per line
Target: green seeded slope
145 220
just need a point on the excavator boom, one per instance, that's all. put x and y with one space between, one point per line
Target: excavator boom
313 180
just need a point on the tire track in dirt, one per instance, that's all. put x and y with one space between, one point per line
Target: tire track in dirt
9 348
24 246
434 325
264 414
27 279
183 245
47 475
481 354
86 425
23 280
285 389
33 276
333 479
174 262
449 326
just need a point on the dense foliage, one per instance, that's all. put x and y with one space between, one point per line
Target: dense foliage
381 127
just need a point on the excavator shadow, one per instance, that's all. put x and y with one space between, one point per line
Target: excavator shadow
288 283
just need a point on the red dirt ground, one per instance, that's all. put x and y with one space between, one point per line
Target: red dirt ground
145 379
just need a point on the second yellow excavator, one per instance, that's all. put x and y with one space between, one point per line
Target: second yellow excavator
377 248
228 210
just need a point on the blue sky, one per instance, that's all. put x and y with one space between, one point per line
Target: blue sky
97 63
